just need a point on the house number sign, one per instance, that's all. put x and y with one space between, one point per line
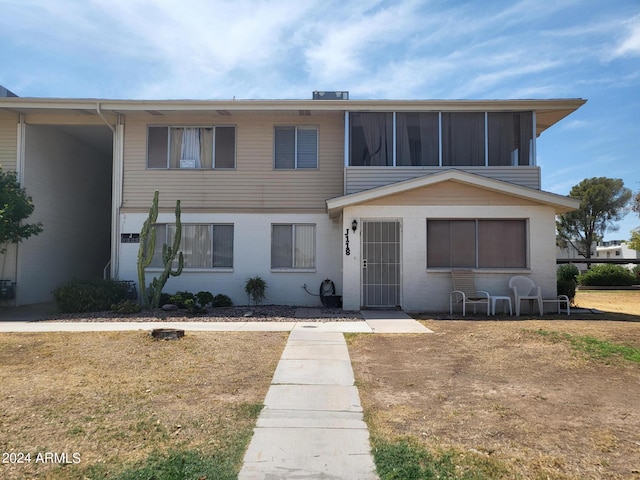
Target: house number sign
346 250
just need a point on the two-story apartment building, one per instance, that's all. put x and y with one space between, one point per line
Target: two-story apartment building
383 197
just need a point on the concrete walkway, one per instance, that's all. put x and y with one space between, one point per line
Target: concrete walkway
311 426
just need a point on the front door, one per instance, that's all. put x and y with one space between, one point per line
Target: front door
380 263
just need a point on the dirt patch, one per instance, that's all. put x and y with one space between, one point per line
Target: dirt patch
502 390
113 398
616 301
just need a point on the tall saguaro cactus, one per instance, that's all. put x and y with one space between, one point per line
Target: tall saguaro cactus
151 298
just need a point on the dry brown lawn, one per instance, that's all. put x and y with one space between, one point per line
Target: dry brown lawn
113 398
502 392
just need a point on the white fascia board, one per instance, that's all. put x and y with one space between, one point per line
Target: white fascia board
336 105
561 203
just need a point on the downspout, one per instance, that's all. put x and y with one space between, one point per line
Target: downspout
116 188
20 164
104 119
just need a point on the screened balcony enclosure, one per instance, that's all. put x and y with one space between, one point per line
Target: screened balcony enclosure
402 145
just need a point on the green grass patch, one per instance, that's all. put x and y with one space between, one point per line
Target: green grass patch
175 465
593 347
407 459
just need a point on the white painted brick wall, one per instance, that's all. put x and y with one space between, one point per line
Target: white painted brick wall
252 256
424 290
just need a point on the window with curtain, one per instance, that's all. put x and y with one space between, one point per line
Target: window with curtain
510 138
296 147
463 139
371 139
191 147
202 246
293 246
417 139
477 243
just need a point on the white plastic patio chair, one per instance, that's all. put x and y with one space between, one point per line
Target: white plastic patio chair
465 292
524 289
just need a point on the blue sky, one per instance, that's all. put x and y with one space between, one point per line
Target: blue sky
405 49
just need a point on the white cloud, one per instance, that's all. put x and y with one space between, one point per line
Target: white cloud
630 46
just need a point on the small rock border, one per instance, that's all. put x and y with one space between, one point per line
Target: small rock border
259 313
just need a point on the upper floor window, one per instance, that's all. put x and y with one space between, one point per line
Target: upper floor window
510 137
191 147
456 139
296 147
371 139
417 139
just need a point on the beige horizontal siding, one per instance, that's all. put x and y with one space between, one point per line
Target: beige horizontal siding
359 179
253 184
8 141
450 193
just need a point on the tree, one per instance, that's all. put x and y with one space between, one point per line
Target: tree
603 201
15 206
634 243
635 205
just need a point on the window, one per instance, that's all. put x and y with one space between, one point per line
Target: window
455 139
417 139
463 139
371 141
191 147
510 138
477 243
293 246
202 246
296 147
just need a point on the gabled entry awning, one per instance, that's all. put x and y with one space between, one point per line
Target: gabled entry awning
560 203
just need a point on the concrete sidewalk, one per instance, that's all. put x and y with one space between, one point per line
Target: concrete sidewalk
312 424
375 322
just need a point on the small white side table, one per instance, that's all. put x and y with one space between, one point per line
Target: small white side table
505 299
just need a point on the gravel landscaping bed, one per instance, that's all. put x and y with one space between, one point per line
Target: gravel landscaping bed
261 313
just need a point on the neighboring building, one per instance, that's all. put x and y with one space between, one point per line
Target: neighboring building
617 249
383 197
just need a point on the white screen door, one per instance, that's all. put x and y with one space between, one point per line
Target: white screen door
380 263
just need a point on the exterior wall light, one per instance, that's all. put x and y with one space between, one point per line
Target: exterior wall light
354 226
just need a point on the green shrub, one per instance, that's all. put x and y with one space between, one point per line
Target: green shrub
607 275
221 300
255 289
636 272
204 298
126 306
93 296
180 298
567 287
568 271
192 306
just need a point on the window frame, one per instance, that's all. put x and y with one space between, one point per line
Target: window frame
213 146
477 246
296 162
524 118
211 266
293 267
